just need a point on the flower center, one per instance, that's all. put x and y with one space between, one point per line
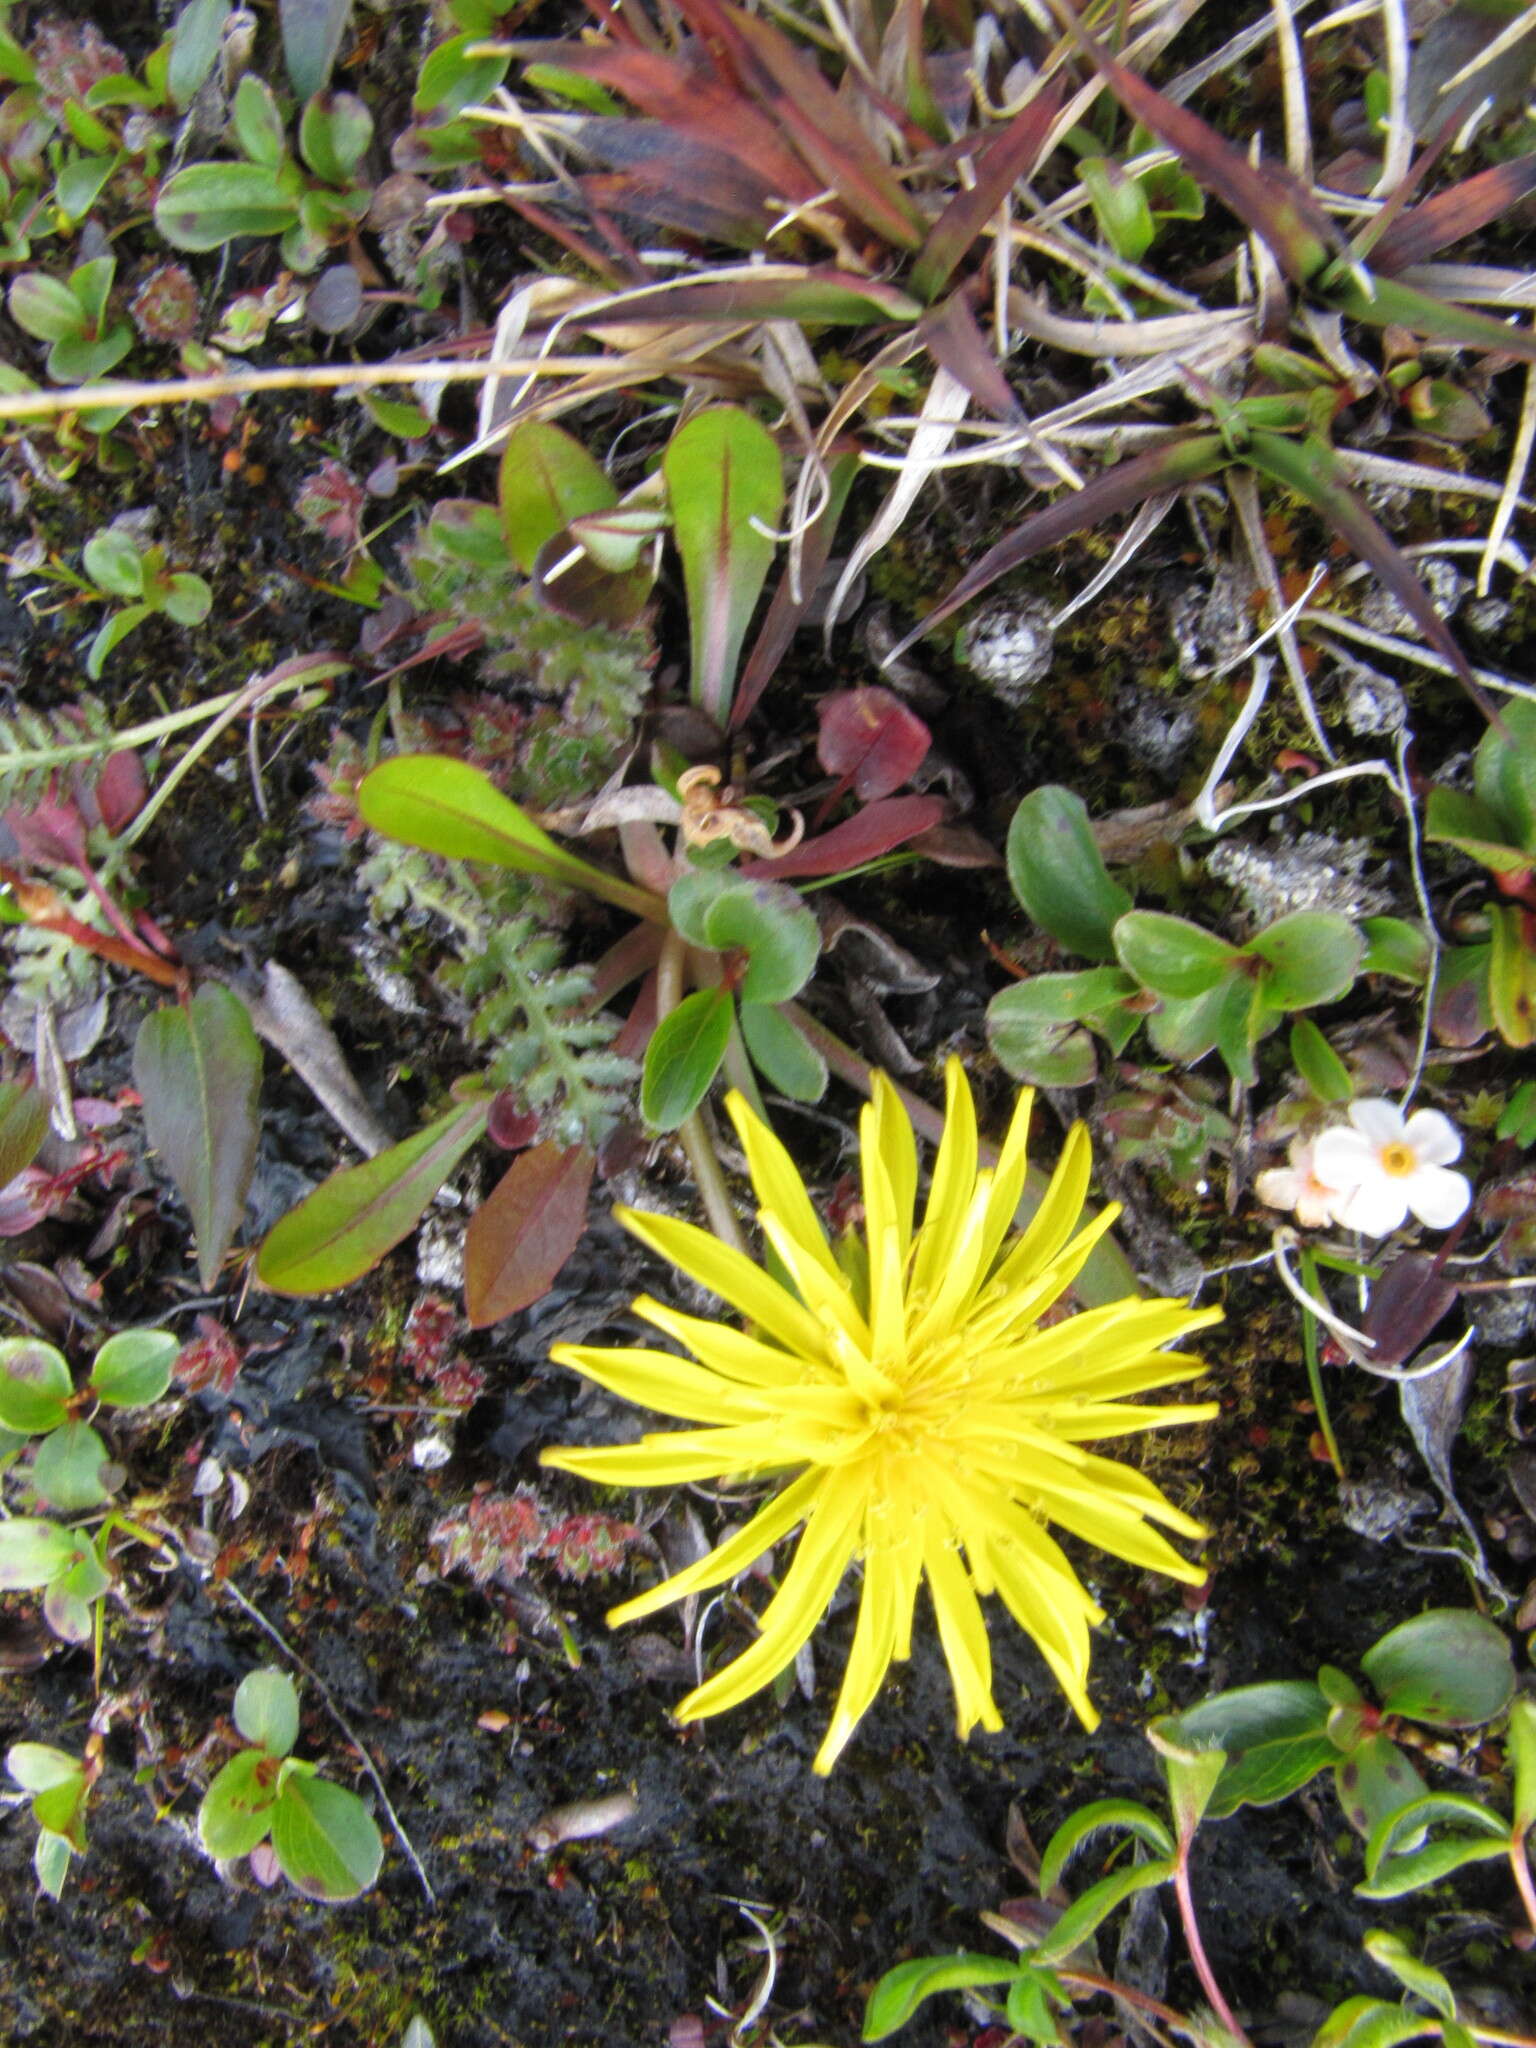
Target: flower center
1399 1160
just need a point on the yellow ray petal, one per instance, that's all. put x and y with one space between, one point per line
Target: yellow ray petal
779 1187
732 1352
1060 1207
731 1275
772 1522
962 1633
1043 1606
827 1295
656 1379
954 1177
896 1147
874 1641
1008 1177
676 1460
825 1551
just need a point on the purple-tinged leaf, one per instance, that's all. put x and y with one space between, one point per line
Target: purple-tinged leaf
198 1069
725 483
353 1219
1407 1304
955 341
523 1233
871 741
876 830
1185 461
1451 216
768 291
786 612
1006 155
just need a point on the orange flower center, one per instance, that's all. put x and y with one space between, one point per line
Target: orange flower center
1399 1160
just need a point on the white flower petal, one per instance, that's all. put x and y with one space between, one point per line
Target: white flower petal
1374 1207
1434 1138
1380 1120
1317 1207
1437 1196
1277 1187
1343 1159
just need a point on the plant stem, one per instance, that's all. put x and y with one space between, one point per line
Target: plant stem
692 1133
1314 1362
1196 1946
1520 1864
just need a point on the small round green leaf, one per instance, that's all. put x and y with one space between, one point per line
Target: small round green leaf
208 204
133 1368
33 1553
1059 876
238 1807
267 1711
1311 957
69 1469
35 1386
1171 956
50 1860
325 1839
782 1055
1449 1668
38 1766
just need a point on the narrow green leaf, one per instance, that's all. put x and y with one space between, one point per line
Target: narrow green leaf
347 1225
23 1127
1520 1751
683 1057
448 807
725 482
1094 1907
198 1068
901 1991
1319 1066
312 33
1393 1953
1399 1875
194 48
1275 1737
782 1054
1090 1820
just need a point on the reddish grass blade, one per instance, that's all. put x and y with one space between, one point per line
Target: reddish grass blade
821 126
785 612
769 292
1117 490
1004 158
1452 215
958 345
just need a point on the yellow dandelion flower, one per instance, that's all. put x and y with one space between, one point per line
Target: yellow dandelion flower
932 1426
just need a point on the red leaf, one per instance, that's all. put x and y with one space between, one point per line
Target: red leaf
519 1239
1407 1302
120 790
877 829
870 739
50 832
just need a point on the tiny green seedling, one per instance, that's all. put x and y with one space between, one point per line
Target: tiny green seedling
323 1837
71 1469
60 1785
119 568
73 316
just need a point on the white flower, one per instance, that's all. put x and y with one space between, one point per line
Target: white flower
1296 1187
1389 1164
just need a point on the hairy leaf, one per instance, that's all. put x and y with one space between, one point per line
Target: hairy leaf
523 1233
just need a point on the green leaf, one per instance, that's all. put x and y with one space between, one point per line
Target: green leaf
325 1839
1395 947
1120 207
1520 1754
35 1385
781 1054
50 1861
1275 1737
67 1469
348 1224
80 184
1192 1771
82 359
1452 818
38 1766
267 1711
1171 956
206 205
1312 956
44 307
312 33
1094 1907
1091 1820
188 600
133 1368
768 921
1504 772
1399 1875
1393 1953
616 539
111 633
335 130
725 482
1375 1781
23 1127
195 42
1368 2023
1224 1016
547 479
1028 2010
114 563
451 80
1449 1668
683 1057
1319 1066
1511 976
198 1067
1059 876
257 123
35 1553
901 1991
238 1807
448 807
